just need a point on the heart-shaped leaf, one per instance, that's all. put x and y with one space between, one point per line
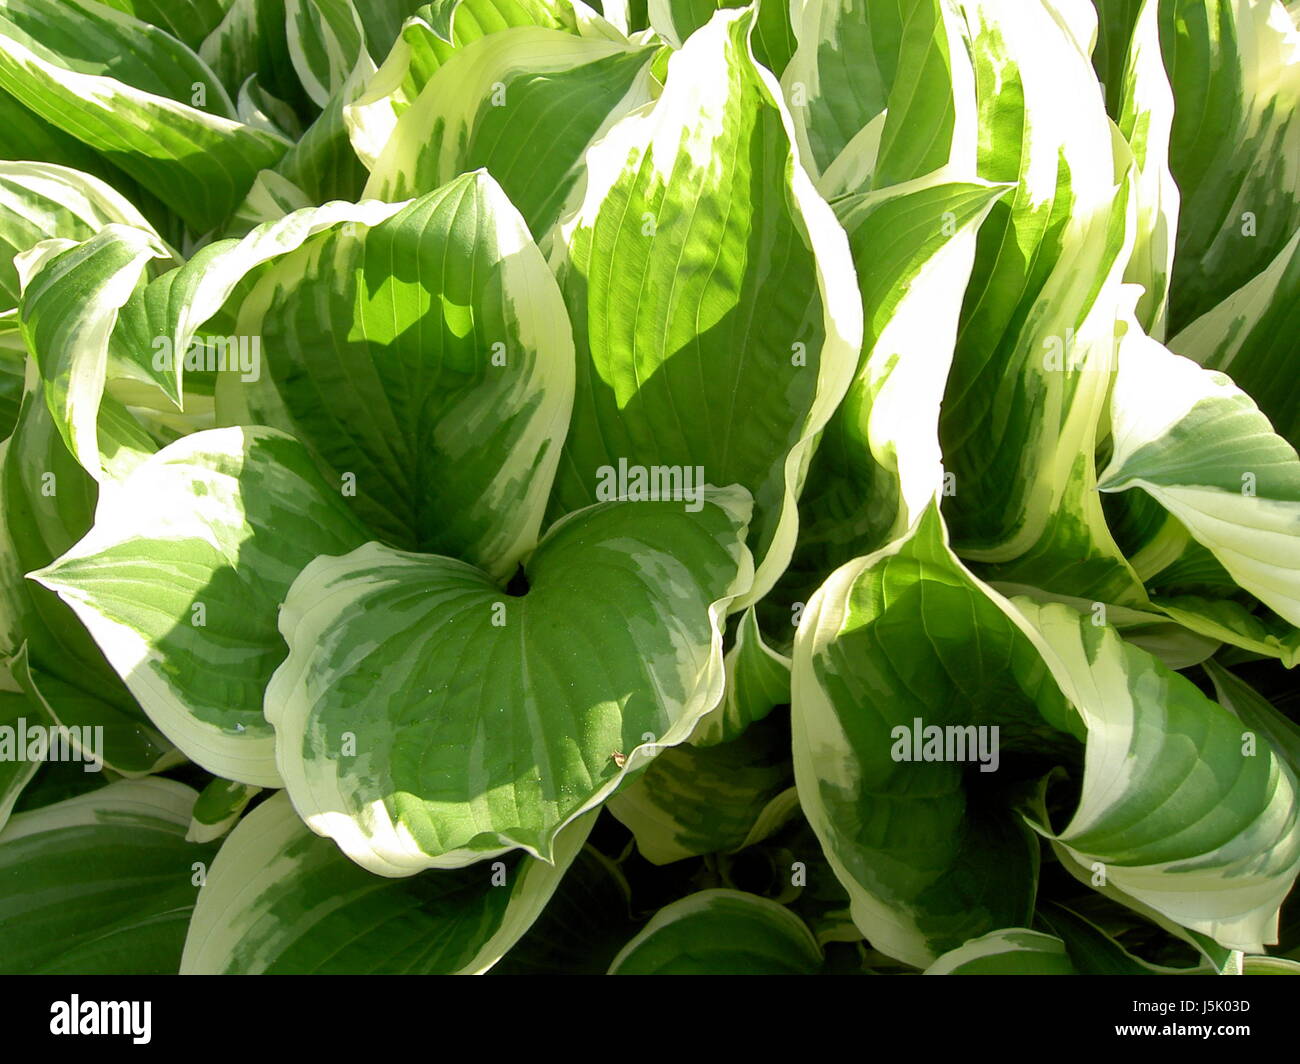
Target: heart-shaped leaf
425 718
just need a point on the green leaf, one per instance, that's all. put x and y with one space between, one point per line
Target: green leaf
271 198
124 442
19 715
88 37
189 21
25 137
252 41
758 680
711 294
879 90
56 781
1036 346
1116 21
1233 623
583 926
218 808
721 932
457 22
1257 713
1081 949
371 116
695 800
326 39
68 310
47 500
1145 116
159 322
181 577
676 20
930 850
1179 638
933 854
1269 966
555 90
137 96
104 727
433 36
629 16
1014 951
1235 70
426 362
100 884
327 43
1092 951
12 370
41 200
280 900
257 107
773 40
383 20
1207 831
1199 446
322 162
878 464
552 695
1249 336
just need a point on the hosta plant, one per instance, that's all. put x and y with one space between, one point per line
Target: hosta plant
555 487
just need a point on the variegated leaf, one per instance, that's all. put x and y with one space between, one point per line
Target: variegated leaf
68 310
712 297
888 731
426 360
100 884
41 200
432 36
425 718
1235 149
140 98
696 800
47 501
880 93
721 932
1250 336
280 900
188 562
1036 345
557 90
1199 446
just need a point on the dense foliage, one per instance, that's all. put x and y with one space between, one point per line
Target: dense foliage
649 487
